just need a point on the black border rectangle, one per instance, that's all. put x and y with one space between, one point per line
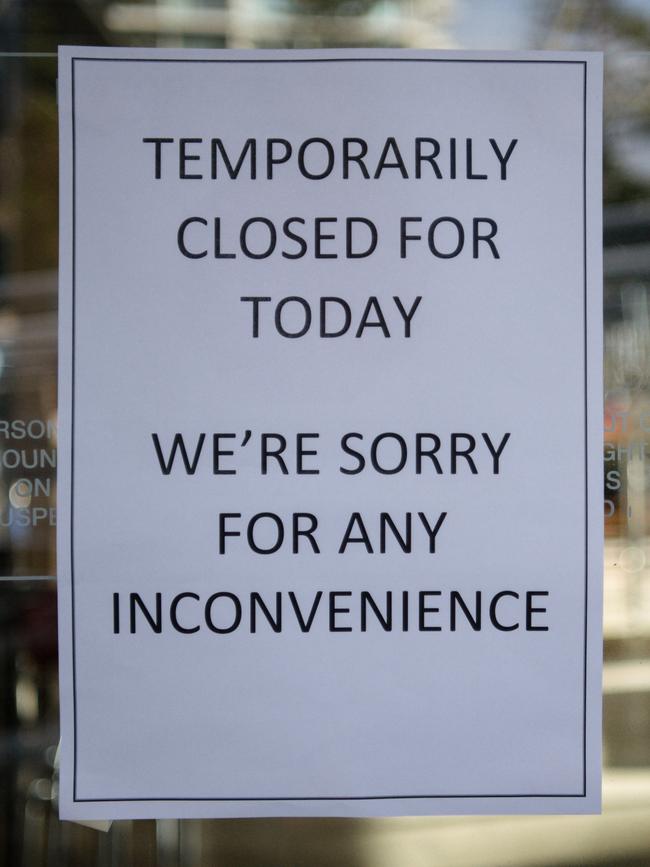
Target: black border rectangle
341 59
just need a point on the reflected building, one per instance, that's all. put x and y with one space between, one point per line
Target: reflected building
282 23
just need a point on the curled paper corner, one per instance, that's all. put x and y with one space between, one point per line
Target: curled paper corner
96 824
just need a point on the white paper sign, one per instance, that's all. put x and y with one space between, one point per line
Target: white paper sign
330 418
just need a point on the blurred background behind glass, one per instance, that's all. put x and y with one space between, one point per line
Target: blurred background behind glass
30 30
